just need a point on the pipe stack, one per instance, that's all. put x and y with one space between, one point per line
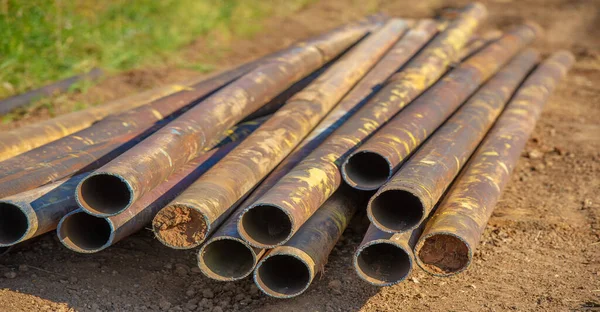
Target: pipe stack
418 122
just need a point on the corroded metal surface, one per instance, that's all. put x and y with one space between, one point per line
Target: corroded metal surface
453 233
211 199
389 147
26 138
479 42
37 211
77 232
143 167
227 239
313 242
92 147
8 104
384 259
304 189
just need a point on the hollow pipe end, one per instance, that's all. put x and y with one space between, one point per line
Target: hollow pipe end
382 262
181 226
16 223
285 272
81 232
443 254
226 259
265 226
104 194
395 210
366 170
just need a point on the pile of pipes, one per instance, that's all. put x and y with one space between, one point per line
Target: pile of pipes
263 166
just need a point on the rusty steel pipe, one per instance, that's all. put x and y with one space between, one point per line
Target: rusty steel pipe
287 271
85 233
92 147
304 189
227 241
8 104
478 43
406 200
374 162
35 212
211 199
451 236
186 137
384 259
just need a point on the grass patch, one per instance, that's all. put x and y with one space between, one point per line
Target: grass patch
42 41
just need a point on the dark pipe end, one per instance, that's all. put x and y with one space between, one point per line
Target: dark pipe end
84 233
366 170
180 227
443 254
13 224
395 211
382 263
226 259
282 276
104 194
265 226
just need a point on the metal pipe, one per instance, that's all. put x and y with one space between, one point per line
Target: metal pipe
453 233
85 233
37 211
384 259
8 104
374 162
304 189
189 135
287 271
92 147
227 240
210 200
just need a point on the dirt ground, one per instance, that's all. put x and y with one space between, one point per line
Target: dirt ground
540 252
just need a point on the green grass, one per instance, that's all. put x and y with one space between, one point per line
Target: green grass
42 41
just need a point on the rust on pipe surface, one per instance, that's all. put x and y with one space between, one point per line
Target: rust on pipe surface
287 271
89 148
478 43
374 162
211 199
85 233
404 202
227 240
35 212
305 188
26 138
450 238
384 259
150 162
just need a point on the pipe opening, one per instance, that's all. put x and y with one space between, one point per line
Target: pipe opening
13 224
444 254
104 194
179 226
228 258
396 211
266 225
367 170
383 263
283 276
82 231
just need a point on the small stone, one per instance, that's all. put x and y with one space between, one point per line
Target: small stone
207 293
472 286
206 303
190 306
95 306
73 279
168 266
195 270
164 305
535 154
217 309
190 293
415 280
23 268
335 286
239 297
10 275
540 167
181 269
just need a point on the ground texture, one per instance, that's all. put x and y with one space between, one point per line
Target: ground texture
540 252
